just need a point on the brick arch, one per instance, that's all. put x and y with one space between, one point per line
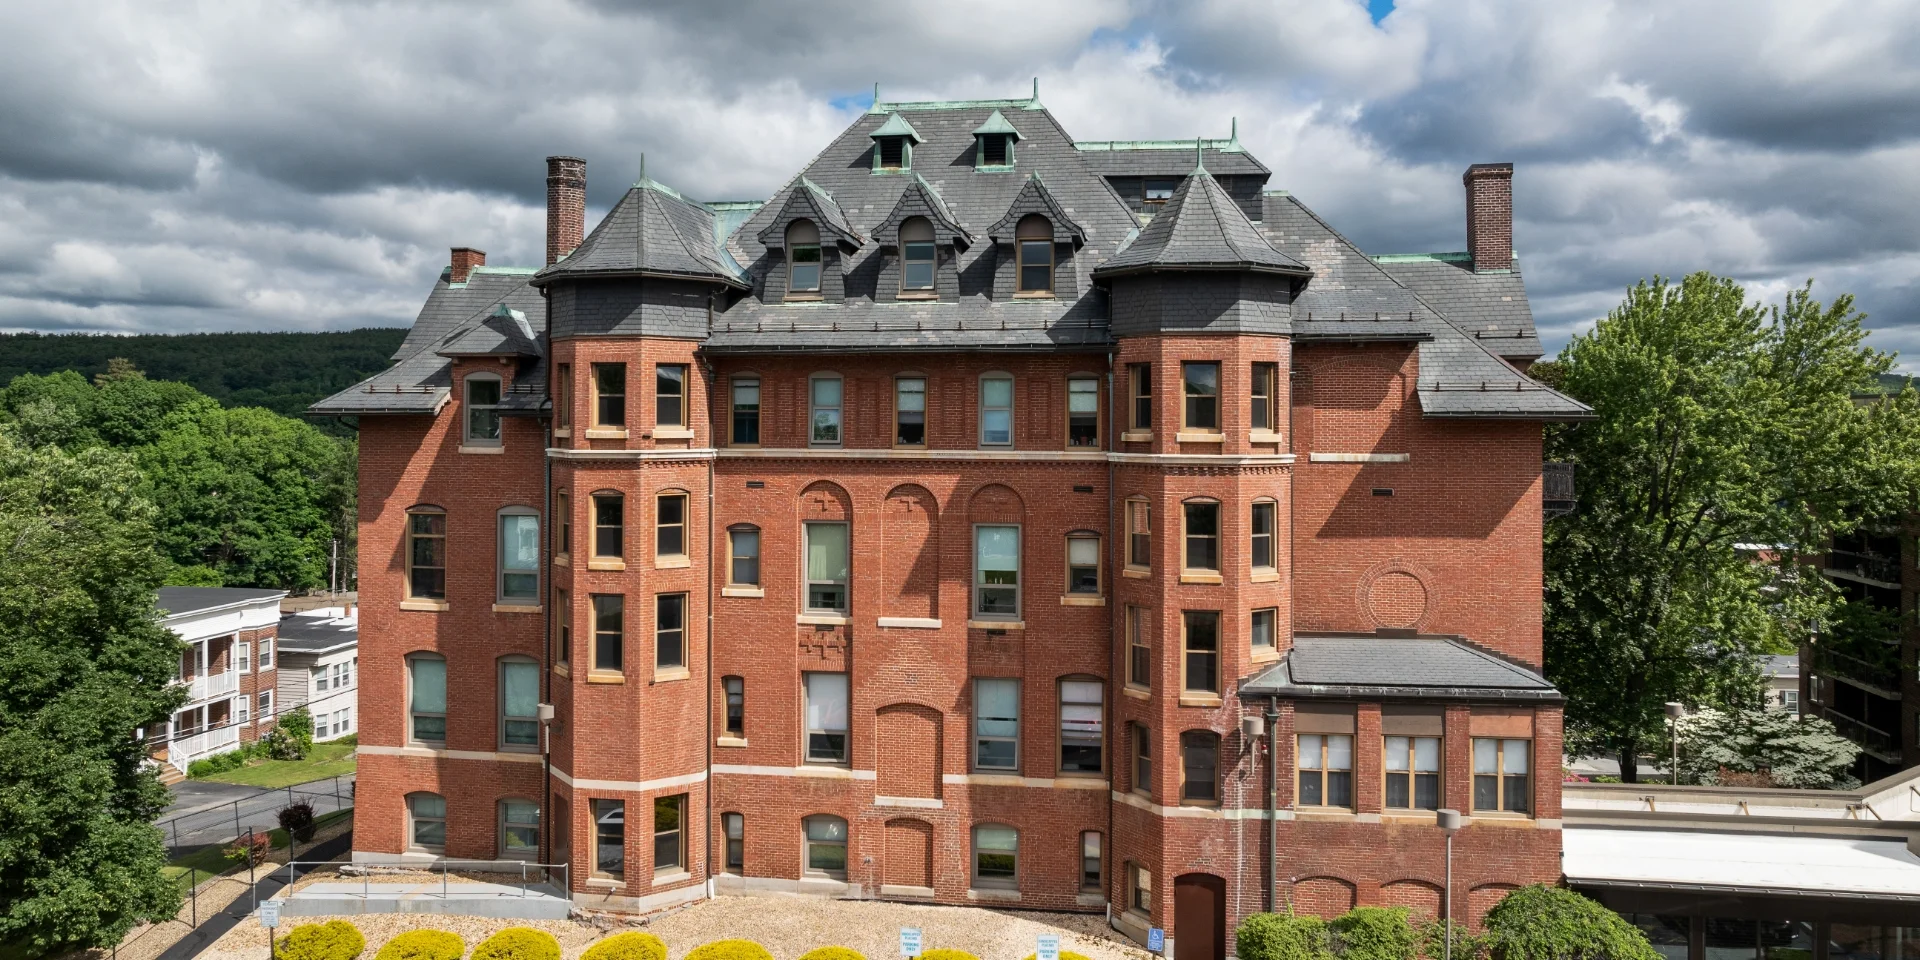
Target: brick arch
909 853
1357 403
1420 897
910 551
995 503
1483 898
1322 896
908 742
1397 592
825 500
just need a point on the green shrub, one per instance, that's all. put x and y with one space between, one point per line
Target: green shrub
1553 923
423 945
1467 945
333 940
730 950
518 943
222 762
945 954
1282 936
1374 933
832 953
629 946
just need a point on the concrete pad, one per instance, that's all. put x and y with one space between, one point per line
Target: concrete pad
537 901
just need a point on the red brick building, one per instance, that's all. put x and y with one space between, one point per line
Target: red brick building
229 667
987 517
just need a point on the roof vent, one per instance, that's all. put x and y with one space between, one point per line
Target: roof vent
993 143
893 144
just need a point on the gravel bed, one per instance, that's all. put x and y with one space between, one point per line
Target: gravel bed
786 926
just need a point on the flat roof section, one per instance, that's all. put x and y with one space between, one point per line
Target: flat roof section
1694 861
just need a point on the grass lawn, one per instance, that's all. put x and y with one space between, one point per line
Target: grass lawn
209 862
324 760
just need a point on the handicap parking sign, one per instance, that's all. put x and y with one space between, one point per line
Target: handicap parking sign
1048 948
1156 939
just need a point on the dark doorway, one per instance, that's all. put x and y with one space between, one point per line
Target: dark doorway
1199 917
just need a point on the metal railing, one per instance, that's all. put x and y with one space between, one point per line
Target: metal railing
1877 741
1878 567
530 873
184 750
222 824
1881 678
211 685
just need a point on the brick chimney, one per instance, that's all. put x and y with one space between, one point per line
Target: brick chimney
1490 215
566 205
464 260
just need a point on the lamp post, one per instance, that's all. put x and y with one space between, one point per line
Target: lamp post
1674 712
1449 823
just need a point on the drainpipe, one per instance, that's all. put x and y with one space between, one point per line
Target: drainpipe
546 658
1273 794
706 726
1113 629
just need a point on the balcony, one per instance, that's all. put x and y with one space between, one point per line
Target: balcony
183 750
210 685
1557 497
1882 678
1864 565
1878 742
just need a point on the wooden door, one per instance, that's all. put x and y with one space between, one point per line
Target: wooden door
1199 917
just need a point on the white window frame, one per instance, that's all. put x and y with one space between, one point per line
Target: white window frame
979 575
808 730
472 410
244 655
266 655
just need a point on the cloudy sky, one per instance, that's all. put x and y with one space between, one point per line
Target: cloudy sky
276 165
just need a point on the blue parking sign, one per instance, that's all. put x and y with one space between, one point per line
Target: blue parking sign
1156 939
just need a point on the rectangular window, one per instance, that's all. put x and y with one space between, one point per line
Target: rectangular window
1090 873
318 676
1202 386
993 150
1083 412
1140 890
483 411
669 395
669 834
245 656
1140 393
734 826
519 559
1142 758
1260 635
1139 534
1158 190
1500 780
1202 651
519 705
1036 266
519 830
609 525
744 552
670 525
609 631
266 653
610 839
910 412
1265 381
1202 537
746 411
827 567
263 706
996 724
670 631
427 556
1199 767
1083 564
1139 654
996 572
916 268
1326 770
1082 737
1261 548
996 411
240 706
563 396
563 507
996 857
1413 773
562 627
609 394
825 392
428 694
826 717
735 691
803 266
826 841
429 815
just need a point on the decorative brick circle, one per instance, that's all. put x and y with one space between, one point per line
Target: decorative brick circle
1395 594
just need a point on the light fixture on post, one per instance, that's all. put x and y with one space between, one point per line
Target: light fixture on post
1675 711
1449 823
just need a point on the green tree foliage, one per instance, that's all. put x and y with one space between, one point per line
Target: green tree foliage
245 497
83 664
1792 750
1282 936
1553 923
1719 423
283 372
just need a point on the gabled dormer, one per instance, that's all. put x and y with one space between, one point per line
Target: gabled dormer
893 145
993 145
1034 245
920 243
807 244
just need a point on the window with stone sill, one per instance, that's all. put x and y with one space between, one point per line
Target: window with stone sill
1139 653
563 396
743 551
609 525
1140 395
670 395
734 693
1200 643
1199 767
1501 778
996 410
609 632
1083 412
1201 529
426 554
1082 734
1201 385
609 394
1261 414
1325 764
996 857
519 704
519 830
1413 773
825 838
996 725
910 411
670 525
996 571
426 698
670 631
482 403
519 553
427 822
1083 564
825 393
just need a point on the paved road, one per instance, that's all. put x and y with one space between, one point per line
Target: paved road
206 813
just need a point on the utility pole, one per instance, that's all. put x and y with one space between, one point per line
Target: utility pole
333 570
1675 711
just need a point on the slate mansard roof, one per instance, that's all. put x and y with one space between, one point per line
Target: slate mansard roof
1464 322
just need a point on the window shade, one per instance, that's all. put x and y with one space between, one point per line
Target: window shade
429 686
826 552
826 701
522 693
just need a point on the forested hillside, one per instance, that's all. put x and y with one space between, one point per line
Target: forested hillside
283 372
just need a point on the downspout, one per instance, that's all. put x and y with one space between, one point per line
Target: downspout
1273 793
546 657
706 724
1114 640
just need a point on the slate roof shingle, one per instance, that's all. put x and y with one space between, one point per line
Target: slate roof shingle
1200 228
1421 667
651 231
1490 307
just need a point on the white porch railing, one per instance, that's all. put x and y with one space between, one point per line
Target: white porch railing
212 685
184 750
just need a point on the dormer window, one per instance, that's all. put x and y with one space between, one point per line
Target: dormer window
917 256
1033 243
893 144
996 150
803 257
893 153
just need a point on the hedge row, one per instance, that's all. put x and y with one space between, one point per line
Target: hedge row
340 940
1531 923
